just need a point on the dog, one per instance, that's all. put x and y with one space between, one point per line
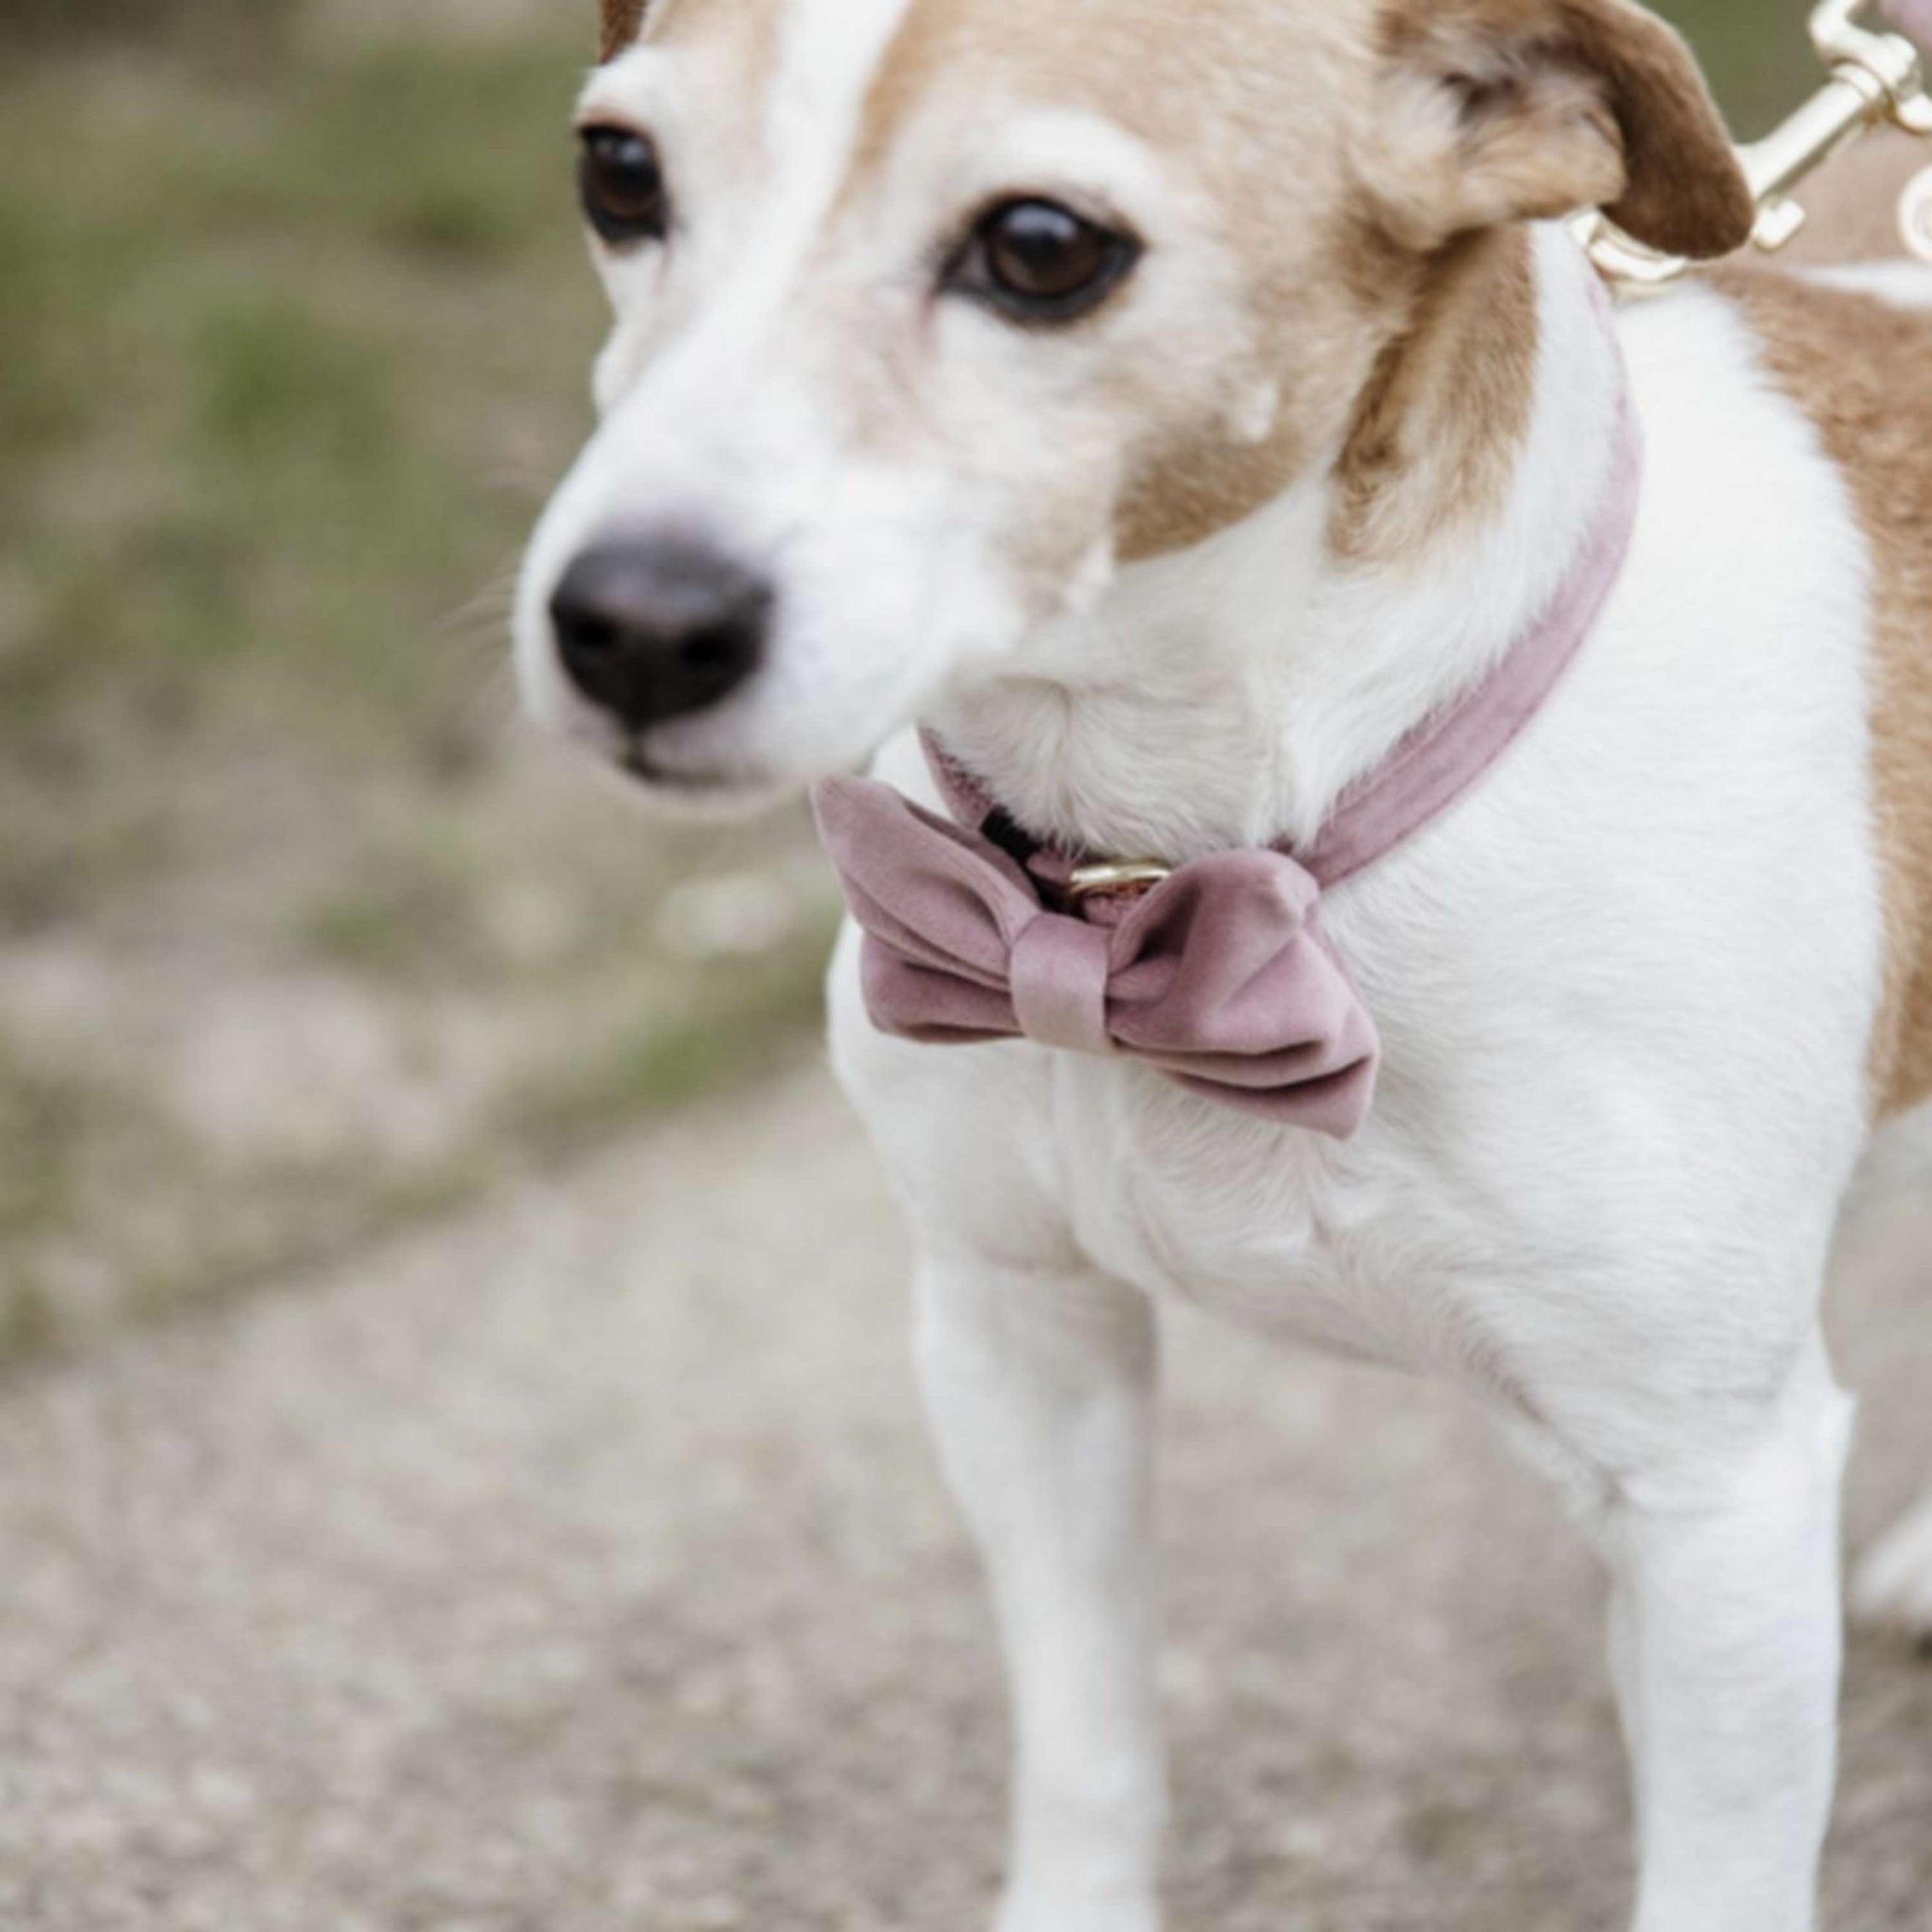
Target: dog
1172 410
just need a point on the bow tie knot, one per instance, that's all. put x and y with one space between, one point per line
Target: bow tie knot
1220 976
1059 973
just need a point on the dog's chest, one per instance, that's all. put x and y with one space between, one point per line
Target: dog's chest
1371 1249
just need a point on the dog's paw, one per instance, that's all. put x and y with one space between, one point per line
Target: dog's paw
1892 1590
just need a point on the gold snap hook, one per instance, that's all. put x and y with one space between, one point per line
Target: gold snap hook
1119 879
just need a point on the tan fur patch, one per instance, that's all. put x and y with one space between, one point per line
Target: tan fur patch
1497 109
1686 193
1441 426
1250 101
1277 105
1862 371
1188 486
623 22
627 22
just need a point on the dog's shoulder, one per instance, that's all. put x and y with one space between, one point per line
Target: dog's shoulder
1854 352
1854 348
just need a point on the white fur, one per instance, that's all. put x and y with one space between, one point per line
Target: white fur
1626 989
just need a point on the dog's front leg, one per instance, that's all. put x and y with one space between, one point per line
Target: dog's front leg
1726 1642
1040 1386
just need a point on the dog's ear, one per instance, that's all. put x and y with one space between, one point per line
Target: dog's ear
1493 111
623 22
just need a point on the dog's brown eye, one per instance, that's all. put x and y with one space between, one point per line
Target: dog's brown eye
1040 262
623 185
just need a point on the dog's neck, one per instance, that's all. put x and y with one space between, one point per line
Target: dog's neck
1229 695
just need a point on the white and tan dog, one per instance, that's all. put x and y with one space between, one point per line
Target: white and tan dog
1173 405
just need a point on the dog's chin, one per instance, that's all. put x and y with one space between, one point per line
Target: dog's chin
719 768
698 797
678 783
727 769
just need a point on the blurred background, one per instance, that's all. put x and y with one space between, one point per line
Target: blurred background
300 939
528 1527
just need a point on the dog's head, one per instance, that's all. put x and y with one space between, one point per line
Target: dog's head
932 315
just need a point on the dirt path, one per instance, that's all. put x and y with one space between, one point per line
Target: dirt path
580 1566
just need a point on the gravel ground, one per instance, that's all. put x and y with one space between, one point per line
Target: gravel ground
581 1565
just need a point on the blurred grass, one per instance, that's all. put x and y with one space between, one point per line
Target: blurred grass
268 354
297 940
1756 52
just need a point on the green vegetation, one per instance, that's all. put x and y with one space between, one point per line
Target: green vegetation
1757 55
273 359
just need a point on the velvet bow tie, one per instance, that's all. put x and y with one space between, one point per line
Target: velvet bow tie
1219 976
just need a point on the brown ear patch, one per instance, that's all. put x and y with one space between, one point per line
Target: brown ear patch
1441 424
1686 191
1857 367
623 22
1434 440
1493 111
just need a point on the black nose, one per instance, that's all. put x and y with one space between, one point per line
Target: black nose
658 628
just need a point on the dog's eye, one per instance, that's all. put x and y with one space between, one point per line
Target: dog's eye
622 184
1038 262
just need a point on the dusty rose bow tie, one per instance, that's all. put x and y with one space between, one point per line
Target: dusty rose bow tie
1220 976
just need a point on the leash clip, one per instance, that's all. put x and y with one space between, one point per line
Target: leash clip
1877 79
